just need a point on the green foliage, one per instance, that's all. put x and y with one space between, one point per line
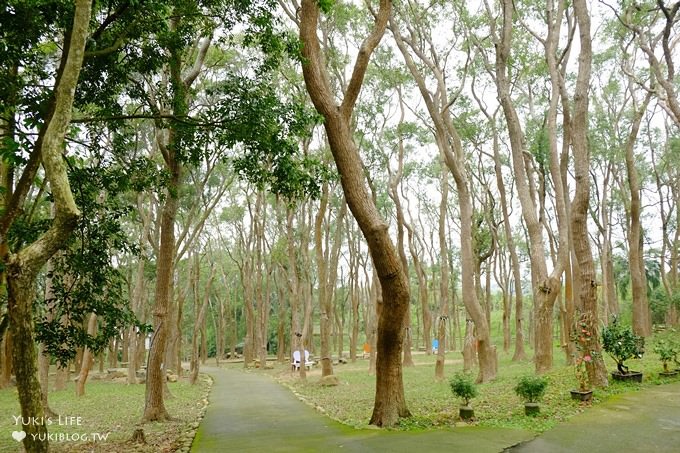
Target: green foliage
659 303
326 6
531 388
251 115
667 347
622 344
84 277
463 386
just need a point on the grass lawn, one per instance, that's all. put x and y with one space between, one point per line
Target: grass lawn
433 405
113 410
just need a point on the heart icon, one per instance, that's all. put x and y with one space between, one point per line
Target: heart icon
18 435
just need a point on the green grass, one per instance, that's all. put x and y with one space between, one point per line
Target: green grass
433 405
114 408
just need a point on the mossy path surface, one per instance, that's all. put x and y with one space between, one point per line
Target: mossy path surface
644 421
251 412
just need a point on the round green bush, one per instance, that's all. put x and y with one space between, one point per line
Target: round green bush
531 388
463 387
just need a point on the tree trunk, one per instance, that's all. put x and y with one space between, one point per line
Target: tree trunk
642 324
43 357
469 353
422 292
23 267
62 377
519 353
137 300
395 180
355 296
154 409
21 296
6 357
450 145
88 358
324 301
390 403
444 276
200 318
297 343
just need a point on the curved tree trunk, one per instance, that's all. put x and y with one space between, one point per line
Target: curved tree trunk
390 403
88 358
450 145
24 266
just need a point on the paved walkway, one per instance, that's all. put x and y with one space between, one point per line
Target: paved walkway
251 412
647 421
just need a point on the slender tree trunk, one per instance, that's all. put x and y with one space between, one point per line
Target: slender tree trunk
297 344
200 318
444 277
137 301
450 145
62 377
88 358
395 180
6 356
324 305
154 409
422 292
642 324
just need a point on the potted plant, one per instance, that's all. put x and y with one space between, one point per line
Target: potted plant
667 350
531 389
464 387
584 391
582 339
622 344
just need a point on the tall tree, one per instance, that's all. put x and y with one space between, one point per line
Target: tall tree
546 285
172 143
597 373
390 403
439 101
24 265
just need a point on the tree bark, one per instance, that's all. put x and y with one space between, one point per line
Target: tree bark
642 324
23 267
597 373
170 144
546 287
88 358
324 300
200 318
450 145
154 409
444 277
390 403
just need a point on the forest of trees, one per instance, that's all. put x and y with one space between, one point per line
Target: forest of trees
206 176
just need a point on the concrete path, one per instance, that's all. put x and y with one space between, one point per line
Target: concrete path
250 412
644 421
